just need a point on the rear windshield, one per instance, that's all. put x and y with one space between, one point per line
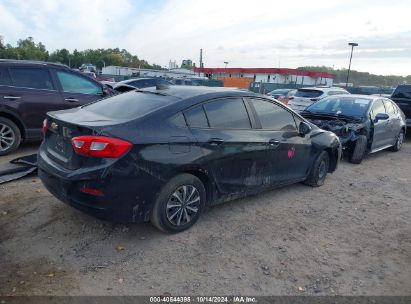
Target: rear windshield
403 91
308 93
130 105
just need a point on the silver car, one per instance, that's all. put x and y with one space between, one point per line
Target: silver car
364 123
305 97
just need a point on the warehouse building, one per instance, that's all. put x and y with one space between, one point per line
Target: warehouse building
136 72
270 75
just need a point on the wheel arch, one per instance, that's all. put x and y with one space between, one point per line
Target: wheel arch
14 118
206 180
333 155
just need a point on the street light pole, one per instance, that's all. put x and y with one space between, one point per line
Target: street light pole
225 62
353 44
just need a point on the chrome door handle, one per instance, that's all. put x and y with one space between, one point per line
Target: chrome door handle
215 141
274 142
12 97
71 99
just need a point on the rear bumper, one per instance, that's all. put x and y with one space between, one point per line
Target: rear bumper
63 191
126 197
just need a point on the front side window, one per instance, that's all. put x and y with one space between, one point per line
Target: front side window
227 114
272 116
389 106
378 107
72 83
33 78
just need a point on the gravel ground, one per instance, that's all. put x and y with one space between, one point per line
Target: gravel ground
350 237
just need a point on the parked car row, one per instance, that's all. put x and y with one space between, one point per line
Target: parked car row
30 89
162 152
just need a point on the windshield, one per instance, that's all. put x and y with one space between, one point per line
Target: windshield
307 93
347 106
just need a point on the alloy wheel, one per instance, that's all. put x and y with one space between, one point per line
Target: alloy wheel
183 205
7 137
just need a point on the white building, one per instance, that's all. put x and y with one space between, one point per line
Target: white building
271 75
136 72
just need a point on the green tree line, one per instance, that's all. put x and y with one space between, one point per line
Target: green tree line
30 50
361 78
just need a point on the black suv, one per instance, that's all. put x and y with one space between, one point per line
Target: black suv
402 97
30 89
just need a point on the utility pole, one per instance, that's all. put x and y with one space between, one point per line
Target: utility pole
201 61
352 44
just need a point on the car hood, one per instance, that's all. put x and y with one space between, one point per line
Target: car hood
345 128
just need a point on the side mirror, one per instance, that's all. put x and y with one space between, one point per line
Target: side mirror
381 116
304 128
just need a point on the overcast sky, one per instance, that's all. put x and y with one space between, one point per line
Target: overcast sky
244 33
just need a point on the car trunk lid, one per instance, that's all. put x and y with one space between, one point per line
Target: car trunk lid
62 126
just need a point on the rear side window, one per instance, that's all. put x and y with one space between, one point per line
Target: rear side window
272 116
34 78
4 77
227 114
72 83
307 93
403 91
129 105
196 117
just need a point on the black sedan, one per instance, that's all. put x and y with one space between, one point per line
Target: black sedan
364 123
164 154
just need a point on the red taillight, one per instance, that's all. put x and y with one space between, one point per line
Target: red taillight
44 128
91 191
100 146
314 99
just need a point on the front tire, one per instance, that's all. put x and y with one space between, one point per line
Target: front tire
10 136
319 170
398 144
179 204
360 148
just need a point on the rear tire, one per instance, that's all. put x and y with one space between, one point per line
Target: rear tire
319 170
398 144
10 136
360 148
179 204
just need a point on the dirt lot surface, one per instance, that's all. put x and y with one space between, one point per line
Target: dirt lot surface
350 237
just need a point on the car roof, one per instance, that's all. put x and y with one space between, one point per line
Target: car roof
185 92
32 62
324 89
134 79
362 96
